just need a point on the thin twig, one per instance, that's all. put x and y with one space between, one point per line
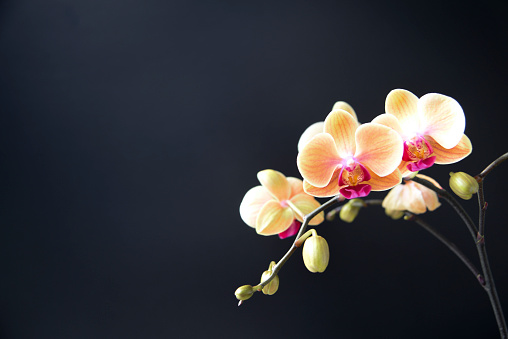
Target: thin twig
482 251
453 202
364 203
293 248
490 167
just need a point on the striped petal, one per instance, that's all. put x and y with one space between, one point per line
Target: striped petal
404 171
346 107
384 183
276 183
391 121
442 118
296 186
310 133
306 204
342 126
273 218
318 160
434 182
379 148
404 106
330 190
252 202
429 197
405 198
452 155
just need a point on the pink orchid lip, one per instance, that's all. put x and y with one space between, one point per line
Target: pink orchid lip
351 176
353 173
416 148
358 191
421 164
292 230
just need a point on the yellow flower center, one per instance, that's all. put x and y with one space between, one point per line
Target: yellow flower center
353 177
417 148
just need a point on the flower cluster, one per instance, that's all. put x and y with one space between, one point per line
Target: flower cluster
341 157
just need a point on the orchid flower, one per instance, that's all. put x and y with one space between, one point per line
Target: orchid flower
349 159
412 197
318 127
432 129
278 205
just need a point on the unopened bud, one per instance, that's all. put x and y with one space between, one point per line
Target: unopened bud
394 214
350 210
463 185
330 216
244 292
316 253
272 286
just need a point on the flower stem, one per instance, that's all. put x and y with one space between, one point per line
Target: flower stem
293 247
451 246
453 202
364 203
482 250
489 168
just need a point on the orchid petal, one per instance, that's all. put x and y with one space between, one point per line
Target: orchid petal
310 133
252 202
392 200
342 126
306 204
442 118
273 218
379 148
384 183
318 160
405 197
404 106
404 171
346 107
449 156
434 182
276 183
429 196
389 120
296 186
330 190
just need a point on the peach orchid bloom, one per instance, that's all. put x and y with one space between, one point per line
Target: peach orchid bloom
278 205
349 159
432 129
412 197
318 127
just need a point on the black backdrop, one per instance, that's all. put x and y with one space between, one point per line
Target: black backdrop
130 131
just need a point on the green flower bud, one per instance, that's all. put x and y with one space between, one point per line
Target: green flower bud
316 253
330 216
463 185
394 214
350 210
273 285
244 292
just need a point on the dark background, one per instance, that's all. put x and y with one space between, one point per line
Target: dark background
130 131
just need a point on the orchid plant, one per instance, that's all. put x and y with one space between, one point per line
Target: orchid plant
346 160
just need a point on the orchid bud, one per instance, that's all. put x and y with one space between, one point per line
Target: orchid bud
244 292
350 210
316 253
272 286
463 185
394 214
